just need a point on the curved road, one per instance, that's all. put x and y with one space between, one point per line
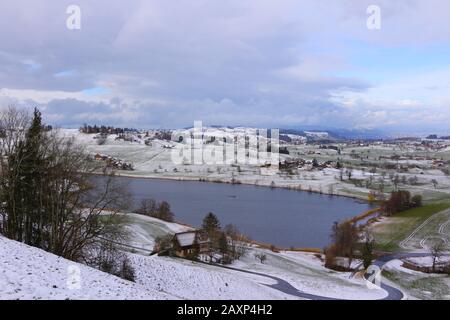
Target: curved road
286 287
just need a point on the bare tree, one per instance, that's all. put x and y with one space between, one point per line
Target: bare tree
436 251
238 243
345 238
148 207
434 182
349 173
13 126
261 257
162 211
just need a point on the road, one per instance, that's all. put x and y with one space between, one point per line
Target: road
285 287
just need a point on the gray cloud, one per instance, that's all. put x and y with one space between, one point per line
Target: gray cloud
167 63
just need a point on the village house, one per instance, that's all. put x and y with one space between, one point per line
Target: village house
114 162
185 244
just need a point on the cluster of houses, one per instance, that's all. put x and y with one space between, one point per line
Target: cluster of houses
308 164
129 137
440 163
114 163
147 138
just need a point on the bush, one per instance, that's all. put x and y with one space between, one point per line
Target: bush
416 201
127 271
261 257
163 243
108 258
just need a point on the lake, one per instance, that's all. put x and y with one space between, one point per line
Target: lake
282 217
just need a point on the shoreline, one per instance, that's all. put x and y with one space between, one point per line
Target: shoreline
257 243
247 183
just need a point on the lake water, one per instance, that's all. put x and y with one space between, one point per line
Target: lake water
282 217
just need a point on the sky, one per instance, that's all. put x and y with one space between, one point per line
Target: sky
263 63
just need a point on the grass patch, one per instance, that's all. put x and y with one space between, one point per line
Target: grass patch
362 195
393 230
423 287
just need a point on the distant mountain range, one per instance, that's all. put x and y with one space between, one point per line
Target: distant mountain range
322 133
337 134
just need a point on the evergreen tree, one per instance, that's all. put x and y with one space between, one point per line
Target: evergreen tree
211 224
211 230
223 243
25 200
33 175
367 252
315 163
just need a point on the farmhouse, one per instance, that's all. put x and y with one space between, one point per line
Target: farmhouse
186 244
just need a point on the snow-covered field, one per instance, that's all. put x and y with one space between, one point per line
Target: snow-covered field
142 230
304 271
155 161
418 285
307 273
29 273
32 274
193 281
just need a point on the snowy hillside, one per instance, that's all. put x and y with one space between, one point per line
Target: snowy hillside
189 280
193 280
29 273
32 274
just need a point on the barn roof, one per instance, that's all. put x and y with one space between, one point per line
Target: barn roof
186 238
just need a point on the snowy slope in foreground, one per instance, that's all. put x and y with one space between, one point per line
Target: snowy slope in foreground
193 281
30 273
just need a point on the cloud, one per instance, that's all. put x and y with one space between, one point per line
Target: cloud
162 63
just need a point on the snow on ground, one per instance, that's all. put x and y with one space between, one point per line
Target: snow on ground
29 273
155 161
193 280
306 272
418 285
302 270
428 261
143 230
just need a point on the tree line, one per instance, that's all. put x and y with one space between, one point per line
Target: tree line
104 129
47 198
